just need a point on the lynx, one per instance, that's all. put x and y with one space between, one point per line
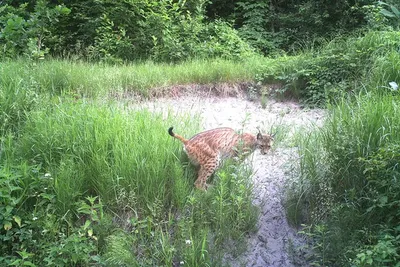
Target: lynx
207 149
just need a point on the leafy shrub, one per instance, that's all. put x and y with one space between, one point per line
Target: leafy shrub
111 45
30 231
325 76
385 251
192 38
289 25
256 28
391 12
29 32
115 32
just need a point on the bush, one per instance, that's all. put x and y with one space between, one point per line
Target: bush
30 231
29 32
116 32
384 251
192 38
329 74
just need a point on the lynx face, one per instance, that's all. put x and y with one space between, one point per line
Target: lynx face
264 142
206 149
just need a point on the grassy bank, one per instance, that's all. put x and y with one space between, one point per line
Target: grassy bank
315 77
93 80
82 178
348 191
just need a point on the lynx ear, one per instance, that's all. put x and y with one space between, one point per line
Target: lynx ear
259 136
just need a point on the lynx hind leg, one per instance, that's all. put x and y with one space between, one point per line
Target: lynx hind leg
205 172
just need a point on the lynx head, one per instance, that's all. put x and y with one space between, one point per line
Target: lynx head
264 142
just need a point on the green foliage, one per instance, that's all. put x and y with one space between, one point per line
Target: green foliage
118 31
330 73
385 252
187 36
257 26
111 45
83 158
391 12
81 79
196 235
229 200
68 166
349 183
29 32
30 233
319 234
272 26
15 101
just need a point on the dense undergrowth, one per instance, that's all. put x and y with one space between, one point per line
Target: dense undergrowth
348 191
343 65
85 181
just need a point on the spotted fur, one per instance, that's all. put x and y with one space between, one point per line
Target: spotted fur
207 149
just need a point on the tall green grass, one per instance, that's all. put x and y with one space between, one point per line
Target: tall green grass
15 101
83 176
88 79
348 188
109 178
91 149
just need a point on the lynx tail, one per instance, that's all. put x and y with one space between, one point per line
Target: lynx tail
177 136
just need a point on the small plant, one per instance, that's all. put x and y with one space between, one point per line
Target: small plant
319 234
383 253
264 99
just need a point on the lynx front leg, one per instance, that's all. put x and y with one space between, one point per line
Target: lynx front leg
205 172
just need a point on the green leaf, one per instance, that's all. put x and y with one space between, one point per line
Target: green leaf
387 13
383 3
395 11
28 263
17 219
7 226
361 255
383 200
87 224
15 263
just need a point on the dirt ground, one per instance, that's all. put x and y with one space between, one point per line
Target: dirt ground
275 243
